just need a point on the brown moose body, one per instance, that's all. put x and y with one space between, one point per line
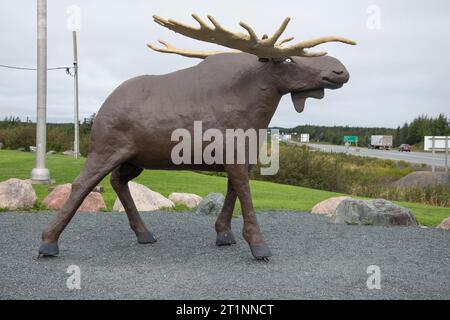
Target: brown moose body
133 128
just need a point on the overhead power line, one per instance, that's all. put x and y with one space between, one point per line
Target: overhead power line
34 69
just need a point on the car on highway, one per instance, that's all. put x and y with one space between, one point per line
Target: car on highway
404 147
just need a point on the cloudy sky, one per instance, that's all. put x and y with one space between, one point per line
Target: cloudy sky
400 68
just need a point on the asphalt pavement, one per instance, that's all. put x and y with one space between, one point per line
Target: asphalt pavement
393 154
312 259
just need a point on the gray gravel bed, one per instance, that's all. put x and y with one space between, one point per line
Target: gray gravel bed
312 259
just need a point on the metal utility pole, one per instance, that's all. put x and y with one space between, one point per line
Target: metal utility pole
40 174
446 153
76 143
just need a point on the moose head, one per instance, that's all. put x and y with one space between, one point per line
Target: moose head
293 69
236 90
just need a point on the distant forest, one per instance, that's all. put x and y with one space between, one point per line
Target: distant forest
411 133
15 133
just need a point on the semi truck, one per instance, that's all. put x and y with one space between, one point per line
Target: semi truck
380 142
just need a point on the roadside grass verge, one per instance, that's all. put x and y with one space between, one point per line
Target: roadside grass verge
266 195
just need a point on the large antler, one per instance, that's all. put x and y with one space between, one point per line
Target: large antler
168 48
267 47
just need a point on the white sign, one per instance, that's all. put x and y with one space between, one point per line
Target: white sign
439 143
304 137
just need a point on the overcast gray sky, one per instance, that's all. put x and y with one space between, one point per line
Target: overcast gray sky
397 72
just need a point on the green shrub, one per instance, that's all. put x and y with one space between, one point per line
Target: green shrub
349 174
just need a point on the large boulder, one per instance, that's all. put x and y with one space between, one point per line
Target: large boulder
190 200
211 204
378 212
421 179
445 224
58 196
328 207
17 194
144 199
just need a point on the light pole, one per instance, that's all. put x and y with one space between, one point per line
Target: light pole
40 174
76 143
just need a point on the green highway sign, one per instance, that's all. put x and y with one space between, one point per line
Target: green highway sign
351 139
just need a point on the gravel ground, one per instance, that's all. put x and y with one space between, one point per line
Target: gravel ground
312 259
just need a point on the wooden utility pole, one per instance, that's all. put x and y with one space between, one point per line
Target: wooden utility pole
76 143
40 174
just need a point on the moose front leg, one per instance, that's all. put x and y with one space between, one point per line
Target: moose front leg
238 176
223 223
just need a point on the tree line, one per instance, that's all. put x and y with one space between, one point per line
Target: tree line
411 133
15 133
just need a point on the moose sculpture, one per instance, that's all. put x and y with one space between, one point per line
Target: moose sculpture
237 89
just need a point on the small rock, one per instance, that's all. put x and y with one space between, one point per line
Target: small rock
328 206
377 212
17 194
51 152
445 224
32 148
98 189
190 200
58 196
68 153
1 145
211 204
22 149
144 199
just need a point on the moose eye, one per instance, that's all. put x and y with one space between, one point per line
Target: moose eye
288 60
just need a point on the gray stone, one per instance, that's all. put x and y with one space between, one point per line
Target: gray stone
68 153
1 145
377 212
98 189
17 194
51 152
21 149
32 148
421 179
211 204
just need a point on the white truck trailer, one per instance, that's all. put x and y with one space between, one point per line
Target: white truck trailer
381 142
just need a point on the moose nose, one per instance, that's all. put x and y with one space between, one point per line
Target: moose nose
341 75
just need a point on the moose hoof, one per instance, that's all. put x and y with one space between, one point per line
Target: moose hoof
49 249
225 239
260 251
145 237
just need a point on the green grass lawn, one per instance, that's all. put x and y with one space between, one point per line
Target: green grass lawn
266 195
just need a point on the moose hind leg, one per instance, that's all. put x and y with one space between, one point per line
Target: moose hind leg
95 169
119 181
223 223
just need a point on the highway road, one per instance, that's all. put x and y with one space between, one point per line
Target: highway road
414 157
